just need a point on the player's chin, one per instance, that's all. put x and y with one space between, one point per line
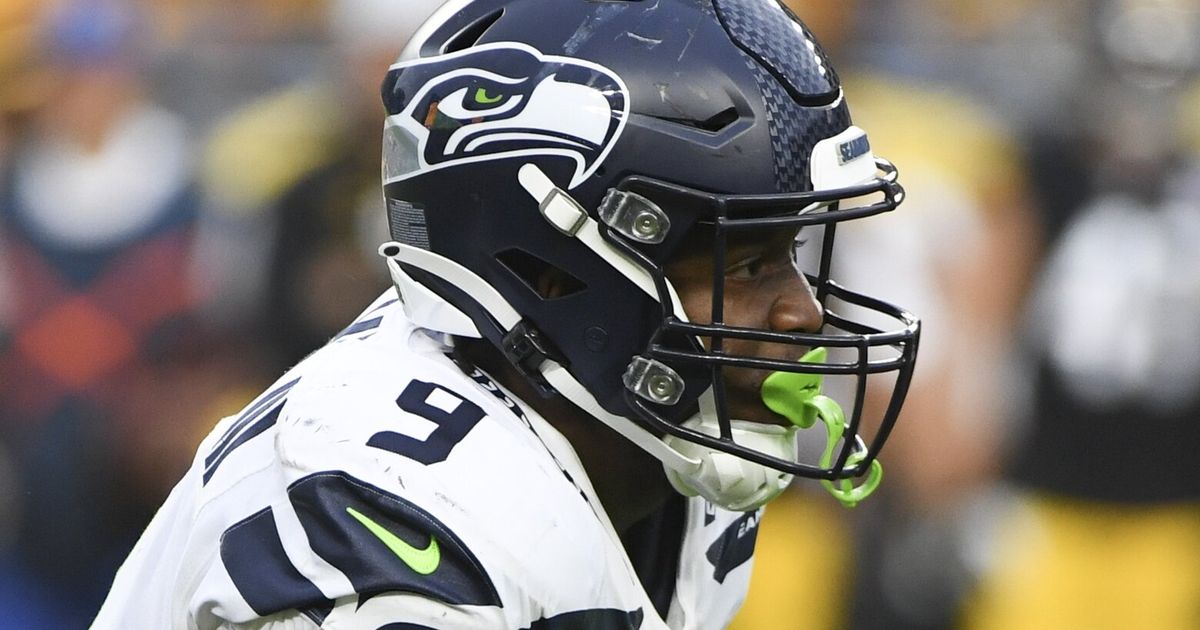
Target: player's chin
743 397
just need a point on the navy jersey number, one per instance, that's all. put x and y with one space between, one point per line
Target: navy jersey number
453 425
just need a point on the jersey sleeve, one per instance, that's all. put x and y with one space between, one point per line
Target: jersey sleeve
382 557
348 517
416 495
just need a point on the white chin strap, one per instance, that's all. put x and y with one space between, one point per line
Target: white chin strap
726 480
693 469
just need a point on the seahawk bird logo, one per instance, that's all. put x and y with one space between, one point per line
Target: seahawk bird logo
497 101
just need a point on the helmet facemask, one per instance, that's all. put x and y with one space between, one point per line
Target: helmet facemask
865 351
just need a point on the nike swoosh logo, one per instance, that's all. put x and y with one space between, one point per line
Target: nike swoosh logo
423 561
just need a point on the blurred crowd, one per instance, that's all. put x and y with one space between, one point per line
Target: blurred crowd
189 204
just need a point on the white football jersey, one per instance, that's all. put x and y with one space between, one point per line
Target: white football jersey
378 485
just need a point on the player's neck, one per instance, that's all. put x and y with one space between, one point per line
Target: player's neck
628 481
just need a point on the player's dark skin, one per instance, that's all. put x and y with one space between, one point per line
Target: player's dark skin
762 289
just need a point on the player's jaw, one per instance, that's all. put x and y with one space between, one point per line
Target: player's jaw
743 387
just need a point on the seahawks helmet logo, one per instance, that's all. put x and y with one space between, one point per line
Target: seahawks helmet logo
498 101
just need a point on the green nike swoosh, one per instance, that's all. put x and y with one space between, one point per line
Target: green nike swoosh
423 561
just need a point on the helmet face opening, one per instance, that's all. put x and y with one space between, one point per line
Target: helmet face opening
871 344
543 178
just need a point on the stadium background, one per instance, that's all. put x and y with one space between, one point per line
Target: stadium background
189 204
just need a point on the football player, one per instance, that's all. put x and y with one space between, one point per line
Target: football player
611 341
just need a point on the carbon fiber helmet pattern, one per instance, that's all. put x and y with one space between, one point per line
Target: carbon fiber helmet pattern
800 90
594 140
794 129
769 33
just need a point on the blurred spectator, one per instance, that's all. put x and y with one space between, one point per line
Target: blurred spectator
961 250
22 86
303 165
97 210
1023 58
1107 524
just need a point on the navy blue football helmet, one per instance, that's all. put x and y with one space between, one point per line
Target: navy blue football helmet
594 139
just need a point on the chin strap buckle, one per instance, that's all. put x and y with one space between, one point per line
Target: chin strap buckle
526 349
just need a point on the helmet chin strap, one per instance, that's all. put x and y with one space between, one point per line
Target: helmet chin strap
726 479
722 478
574 391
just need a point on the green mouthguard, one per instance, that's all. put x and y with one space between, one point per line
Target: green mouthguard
798 398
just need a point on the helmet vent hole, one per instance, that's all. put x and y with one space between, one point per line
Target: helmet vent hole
472 33
546 280
720 120
713 124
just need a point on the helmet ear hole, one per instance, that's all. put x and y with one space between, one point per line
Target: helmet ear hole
546 280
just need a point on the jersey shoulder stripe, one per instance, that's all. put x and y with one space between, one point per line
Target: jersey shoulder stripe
360 327
256 429
382 542
253 554
252 411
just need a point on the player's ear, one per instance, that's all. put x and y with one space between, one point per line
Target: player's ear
553 282
542 277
